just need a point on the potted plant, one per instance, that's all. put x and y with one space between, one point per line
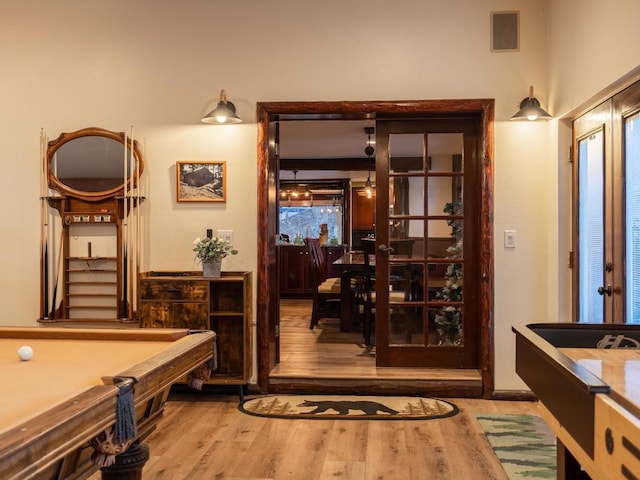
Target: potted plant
211 251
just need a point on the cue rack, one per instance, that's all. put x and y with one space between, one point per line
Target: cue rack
91 227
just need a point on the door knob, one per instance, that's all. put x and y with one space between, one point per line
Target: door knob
384 248
603 290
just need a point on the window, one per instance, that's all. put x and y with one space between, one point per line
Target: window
591 226
632 217
305 207
304 221
607 211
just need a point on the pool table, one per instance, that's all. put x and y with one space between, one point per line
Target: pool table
65 396
587 378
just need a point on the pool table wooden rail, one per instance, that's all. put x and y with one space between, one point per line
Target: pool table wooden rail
54 444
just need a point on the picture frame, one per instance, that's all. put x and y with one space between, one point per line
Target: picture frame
201 181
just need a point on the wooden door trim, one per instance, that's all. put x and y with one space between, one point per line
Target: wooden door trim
267 289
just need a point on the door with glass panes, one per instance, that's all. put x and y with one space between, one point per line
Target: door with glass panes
427 237
606 208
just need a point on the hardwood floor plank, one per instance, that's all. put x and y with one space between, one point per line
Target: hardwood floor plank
348 445
386 451
306 451
343 470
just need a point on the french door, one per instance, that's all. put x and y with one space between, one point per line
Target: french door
428 243
607 211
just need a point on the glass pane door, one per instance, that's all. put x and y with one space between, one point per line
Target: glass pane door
424 306
591 227
632 220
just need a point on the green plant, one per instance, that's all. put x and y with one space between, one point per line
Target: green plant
449 319
212 248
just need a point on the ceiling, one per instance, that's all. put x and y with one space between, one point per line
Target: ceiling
324 138
347 139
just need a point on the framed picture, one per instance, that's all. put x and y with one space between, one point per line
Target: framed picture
201 181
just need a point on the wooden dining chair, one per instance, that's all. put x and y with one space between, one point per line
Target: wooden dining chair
326 291
368 290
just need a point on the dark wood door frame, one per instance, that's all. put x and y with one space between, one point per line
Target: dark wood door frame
267 290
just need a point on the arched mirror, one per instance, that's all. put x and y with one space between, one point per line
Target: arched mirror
93 164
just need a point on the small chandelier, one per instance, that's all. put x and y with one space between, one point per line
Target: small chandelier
296 192
368 189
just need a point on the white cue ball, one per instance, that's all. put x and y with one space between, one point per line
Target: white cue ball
25 353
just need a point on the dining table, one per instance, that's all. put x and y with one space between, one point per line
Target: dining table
350 265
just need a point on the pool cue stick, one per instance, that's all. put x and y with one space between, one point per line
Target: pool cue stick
136 242
44 230
131 229
57 275
141 235
125 232
138 225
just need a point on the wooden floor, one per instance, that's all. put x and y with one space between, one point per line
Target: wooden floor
327 358
205 436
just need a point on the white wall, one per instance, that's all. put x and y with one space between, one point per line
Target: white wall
159 66
591 44
590 47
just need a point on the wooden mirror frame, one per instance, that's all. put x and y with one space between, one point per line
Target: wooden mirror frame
137 166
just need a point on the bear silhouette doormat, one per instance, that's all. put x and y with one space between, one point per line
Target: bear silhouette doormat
345 407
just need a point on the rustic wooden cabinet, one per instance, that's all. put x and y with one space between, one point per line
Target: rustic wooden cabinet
170 299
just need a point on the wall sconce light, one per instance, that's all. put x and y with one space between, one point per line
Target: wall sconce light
530 109
224 113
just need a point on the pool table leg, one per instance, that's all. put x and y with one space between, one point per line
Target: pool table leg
568 466
128 465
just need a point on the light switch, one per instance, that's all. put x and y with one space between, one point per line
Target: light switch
226 235
509 239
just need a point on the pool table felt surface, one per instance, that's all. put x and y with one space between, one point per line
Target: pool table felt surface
61 369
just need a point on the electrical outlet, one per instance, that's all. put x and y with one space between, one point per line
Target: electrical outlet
226 235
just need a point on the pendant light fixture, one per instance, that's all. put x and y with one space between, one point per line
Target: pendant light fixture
296 191
369 151
530 109
223 114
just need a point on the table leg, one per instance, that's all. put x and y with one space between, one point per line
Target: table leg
346 306
568 467
128 465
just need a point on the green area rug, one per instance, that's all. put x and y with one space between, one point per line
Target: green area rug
346 407
525 445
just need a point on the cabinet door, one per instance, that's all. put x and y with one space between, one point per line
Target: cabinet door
364 212
331 255
191 315
294 270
